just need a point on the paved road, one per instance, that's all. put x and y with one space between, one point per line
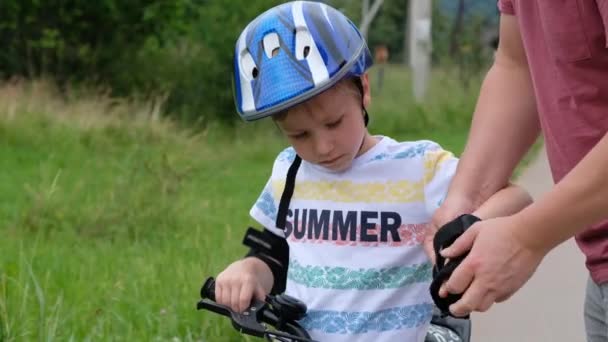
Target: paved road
549 306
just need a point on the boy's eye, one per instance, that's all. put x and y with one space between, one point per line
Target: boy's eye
299 135
335 123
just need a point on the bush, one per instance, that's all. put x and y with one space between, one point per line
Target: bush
179 49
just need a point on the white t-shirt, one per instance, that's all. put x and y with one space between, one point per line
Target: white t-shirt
355 239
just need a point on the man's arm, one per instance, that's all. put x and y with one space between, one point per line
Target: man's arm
577 201
506 251
505 125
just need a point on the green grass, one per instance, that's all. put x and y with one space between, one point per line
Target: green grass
107 233
110 220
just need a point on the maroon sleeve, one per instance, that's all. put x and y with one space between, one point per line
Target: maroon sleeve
506 6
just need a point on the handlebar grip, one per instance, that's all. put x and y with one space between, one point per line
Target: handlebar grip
208 289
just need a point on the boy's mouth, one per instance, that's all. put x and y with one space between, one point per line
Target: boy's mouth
328 162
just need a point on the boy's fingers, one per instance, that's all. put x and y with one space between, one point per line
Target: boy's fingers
235 294
222 294
217 292
260 293
245 296
463 244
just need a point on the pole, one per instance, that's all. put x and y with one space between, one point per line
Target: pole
369 16
420 45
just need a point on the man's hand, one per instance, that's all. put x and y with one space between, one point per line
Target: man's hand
498 265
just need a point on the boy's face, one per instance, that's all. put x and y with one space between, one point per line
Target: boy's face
329 130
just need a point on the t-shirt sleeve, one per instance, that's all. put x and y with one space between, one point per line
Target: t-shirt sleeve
266 208
439 169
602 6
506 6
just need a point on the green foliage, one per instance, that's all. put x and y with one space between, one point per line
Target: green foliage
390 28
107 231
74 38
464 46
195 69
179 51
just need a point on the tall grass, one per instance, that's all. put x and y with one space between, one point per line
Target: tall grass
111 216
110 219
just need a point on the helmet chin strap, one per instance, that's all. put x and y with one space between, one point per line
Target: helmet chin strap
366 120
359 85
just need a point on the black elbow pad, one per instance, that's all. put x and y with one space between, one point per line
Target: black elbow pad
445 237
273 250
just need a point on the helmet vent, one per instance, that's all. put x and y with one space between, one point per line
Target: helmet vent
248 67
271 44
304 42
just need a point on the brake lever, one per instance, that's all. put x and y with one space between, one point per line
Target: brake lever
246 322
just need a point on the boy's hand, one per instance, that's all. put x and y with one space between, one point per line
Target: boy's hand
240 282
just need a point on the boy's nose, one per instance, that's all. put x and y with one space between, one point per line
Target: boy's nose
324 145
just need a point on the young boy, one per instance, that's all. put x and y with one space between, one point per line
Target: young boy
348 210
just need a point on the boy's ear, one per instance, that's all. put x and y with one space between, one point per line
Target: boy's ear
367 95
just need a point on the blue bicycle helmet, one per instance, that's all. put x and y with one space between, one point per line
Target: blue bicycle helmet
291 53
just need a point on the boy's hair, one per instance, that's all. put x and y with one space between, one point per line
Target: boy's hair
351 84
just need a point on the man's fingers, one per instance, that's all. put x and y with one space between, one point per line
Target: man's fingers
462 244
486 303
504 297
460 279
475 298
443 292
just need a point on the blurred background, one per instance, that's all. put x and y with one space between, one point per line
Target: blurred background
125 174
